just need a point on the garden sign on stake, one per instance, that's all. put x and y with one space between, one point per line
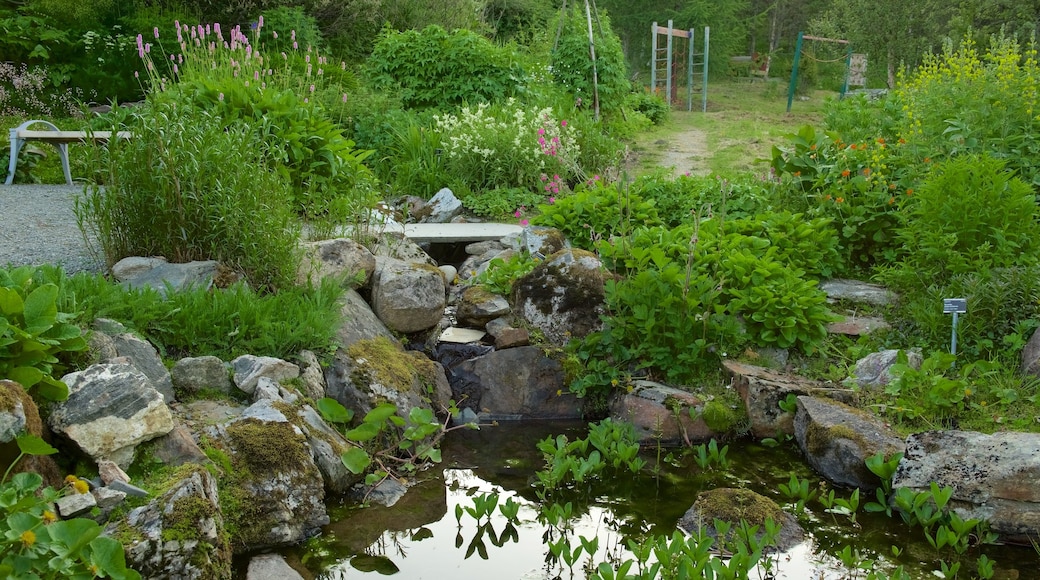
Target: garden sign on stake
954 306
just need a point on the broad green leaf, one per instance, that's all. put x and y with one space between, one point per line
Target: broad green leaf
380 413
52 389
107 554
41 309
32 445
74 534
25 376
356 460
10 302
331 410
363 432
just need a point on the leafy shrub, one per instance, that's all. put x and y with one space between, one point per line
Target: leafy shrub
190 186
679 199
809 245
290 28
597 211
652 106
501 203
500 274
226 323
27 93
492 146
436 68
961 101
970 214
34 333
861 187
572 68
858 119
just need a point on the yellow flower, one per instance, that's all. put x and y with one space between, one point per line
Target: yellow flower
967 392
28 538
49 516
81 486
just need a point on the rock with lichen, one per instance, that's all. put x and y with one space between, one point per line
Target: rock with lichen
408 297
274 493
563 296
837 439
180 534
379 370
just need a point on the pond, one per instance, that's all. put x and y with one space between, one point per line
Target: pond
421 536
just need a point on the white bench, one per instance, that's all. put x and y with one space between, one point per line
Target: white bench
60 139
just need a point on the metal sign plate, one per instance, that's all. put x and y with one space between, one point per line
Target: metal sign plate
958 305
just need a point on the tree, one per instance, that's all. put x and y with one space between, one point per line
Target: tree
894 32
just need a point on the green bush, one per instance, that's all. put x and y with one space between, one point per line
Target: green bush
961 101
572 67
679 199
34 333
597 211
652 106
190 186
971 214
436 68
286 29
508 145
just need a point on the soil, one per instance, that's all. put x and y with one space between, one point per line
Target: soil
684 153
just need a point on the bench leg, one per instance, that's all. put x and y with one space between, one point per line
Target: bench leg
16 146
63 152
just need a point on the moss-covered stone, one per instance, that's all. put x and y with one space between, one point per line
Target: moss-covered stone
385 362
735 504
266 446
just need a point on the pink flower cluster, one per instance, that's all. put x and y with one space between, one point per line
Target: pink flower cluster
552 185
519 213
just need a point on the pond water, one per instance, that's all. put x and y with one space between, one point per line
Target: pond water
420 536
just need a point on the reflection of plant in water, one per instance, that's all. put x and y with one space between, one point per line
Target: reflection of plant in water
482 510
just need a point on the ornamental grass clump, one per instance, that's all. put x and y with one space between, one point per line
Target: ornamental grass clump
190 186
289 99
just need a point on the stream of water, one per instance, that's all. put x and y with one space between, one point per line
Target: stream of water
420 537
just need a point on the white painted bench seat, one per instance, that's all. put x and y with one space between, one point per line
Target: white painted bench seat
60 139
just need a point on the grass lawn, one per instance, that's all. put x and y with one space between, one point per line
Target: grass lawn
743 122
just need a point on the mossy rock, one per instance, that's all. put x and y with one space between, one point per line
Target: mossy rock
736 505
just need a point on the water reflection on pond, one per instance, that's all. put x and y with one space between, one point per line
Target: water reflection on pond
420 536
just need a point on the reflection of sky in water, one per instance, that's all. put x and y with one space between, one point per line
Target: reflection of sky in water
507 457
436 557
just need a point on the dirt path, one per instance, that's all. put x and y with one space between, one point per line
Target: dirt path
685 152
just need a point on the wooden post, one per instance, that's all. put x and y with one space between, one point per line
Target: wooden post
794 71
592 55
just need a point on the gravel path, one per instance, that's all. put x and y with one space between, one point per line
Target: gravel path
38 226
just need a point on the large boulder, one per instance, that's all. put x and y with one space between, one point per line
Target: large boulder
278 490
164 277
662 414
517 383
563 296
441 208
408 297
380 370
180 534
837 440
143 355
111 409
763 389
396 246
995 477
857 292
874 371
249 369
734 505
358 322
341 258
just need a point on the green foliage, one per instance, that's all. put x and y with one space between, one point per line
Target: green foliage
34 544
611 446
188 186
679 199
34 332
970 215
885 469
500 203
597 211
961 101
808 245
709 455
572 68
499 275
436 68
290 25
385 443
508 145
652 106
861 187
226 323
